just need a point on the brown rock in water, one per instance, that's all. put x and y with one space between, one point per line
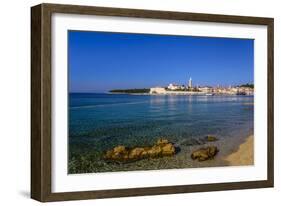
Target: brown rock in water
162 142
136 153
154 151
122 154
116 153
206 153
168 149
211 138
119 149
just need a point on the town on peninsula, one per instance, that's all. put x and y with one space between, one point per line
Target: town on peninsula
189 89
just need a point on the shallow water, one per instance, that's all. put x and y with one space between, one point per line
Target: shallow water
98 122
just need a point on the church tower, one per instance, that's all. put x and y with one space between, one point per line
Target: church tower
190 83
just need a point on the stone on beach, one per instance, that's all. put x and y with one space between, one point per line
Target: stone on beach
205 153
122 154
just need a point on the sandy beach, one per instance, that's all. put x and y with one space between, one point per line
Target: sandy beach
244 155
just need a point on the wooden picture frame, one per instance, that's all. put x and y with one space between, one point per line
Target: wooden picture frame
41 96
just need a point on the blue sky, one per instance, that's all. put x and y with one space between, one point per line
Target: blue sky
101 61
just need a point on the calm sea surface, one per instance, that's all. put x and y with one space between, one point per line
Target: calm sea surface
98 122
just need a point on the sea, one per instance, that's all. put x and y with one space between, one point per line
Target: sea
99 122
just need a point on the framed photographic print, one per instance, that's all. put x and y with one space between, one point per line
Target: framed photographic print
132 102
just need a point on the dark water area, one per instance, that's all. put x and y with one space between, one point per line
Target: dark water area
99 122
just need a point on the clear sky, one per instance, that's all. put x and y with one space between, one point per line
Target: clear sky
101 61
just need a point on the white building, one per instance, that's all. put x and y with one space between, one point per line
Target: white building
190 83
173 87
157 90
205 89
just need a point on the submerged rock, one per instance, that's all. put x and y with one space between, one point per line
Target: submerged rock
211 138
122 154
192 141
205 153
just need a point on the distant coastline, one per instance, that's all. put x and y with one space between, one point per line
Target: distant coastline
130 91
148 92
169 92
174 89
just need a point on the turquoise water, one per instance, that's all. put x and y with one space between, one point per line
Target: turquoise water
98 122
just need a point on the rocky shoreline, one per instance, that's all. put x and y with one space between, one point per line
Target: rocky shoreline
205 151
163 147
121 153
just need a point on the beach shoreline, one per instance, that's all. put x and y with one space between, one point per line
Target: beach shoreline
244 155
